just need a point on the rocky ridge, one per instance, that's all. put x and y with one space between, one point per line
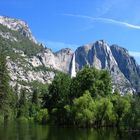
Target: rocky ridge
41 64
17 25
99 55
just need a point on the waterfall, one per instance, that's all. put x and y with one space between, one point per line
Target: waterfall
73 69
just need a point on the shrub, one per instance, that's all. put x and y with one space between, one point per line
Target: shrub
42 116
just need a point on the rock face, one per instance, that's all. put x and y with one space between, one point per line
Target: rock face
40 67
60 60
97 54
41 63
17 25
127 65
64 59
100 55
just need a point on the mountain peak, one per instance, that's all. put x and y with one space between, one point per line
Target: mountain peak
17 25
101 42
115 46
65 50
34 62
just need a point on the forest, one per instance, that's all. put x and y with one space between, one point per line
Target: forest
87 100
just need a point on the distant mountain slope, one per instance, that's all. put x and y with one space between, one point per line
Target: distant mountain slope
28 61
100 55
127 65
17 25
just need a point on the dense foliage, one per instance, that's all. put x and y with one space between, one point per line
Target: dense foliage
23 43
6 94
87 100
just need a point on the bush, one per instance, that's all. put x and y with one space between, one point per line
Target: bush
42 116
23 119
84 108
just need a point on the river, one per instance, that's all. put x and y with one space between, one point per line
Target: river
26 131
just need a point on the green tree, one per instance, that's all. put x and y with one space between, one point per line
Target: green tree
16 95
84 110
132 118
35 97
104 112
83 81
5 90
104 84
42 116
34 104
121 107
23 107
58 91
57 97
98 82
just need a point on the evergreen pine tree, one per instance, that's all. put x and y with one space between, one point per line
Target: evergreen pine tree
35 97
23 110
4 86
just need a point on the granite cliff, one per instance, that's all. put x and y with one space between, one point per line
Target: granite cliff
29 61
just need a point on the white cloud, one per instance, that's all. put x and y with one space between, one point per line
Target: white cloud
135 54
107 20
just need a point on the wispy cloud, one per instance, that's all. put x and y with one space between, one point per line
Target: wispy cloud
105 6
106 20
135 54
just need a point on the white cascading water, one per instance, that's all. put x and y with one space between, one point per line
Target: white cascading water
73 69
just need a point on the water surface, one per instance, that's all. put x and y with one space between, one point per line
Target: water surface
26 131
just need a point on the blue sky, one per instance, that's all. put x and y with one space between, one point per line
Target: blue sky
71 23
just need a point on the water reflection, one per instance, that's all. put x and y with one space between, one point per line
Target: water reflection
26 131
